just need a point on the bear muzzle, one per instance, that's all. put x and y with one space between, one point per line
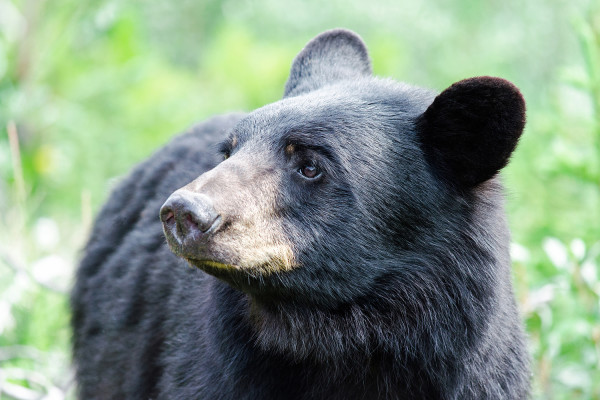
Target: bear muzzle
229 219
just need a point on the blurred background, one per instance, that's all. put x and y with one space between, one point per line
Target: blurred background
89 88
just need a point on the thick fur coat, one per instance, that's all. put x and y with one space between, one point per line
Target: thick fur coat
346 242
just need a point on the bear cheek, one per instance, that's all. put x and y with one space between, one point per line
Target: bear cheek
250 237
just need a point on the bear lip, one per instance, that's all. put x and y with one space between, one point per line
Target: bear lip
212 264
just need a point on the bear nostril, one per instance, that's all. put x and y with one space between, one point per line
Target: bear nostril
202 220
191 223
168 217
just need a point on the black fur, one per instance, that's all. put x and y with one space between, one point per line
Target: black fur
399 287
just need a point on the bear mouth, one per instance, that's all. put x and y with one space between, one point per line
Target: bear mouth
205 264
249 280
221 264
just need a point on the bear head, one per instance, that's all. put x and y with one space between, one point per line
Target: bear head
347 181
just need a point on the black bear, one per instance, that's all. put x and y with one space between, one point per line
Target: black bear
346 242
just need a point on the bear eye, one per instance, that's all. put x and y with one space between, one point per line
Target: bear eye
225 150
309 171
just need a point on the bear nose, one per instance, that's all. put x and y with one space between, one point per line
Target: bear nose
188 215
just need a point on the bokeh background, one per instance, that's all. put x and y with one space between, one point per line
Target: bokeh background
89 88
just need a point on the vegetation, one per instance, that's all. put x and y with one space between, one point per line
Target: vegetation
88 88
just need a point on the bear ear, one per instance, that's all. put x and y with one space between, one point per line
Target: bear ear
470 130
332 56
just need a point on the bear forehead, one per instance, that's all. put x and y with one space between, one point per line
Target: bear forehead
345 107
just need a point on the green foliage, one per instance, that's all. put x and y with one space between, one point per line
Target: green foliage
88 88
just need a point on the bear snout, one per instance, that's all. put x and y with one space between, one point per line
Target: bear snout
188 219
